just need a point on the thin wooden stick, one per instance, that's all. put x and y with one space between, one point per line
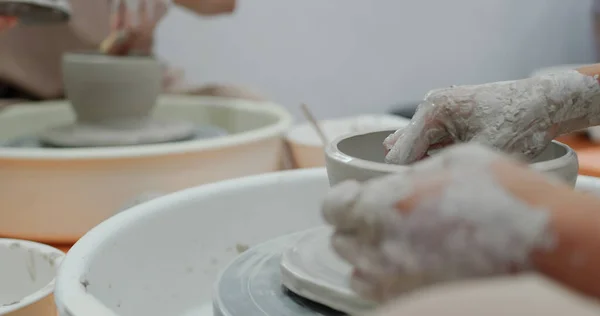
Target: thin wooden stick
315 124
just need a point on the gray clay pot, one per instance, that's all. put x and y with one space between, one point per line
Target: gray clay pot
107 89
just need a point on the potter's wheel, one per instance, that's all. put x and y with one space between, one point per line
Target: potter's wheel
33 141
259 282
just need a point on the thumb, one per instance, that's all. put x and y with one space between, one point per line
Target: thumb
413 141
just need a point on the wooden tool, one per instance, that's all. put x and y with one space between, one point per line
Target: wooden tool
117 43
315 124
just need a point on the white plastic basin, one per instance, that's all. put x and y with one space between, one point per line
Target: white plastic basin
56 195
162 257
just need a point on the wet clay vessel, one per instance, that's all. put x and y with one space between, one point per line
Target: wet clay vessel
360 156
113 98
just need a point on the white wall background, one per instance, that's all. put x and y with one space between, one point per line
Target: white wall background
345 57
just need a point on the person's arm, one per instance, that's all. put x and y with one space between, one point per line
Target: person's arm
575 259
573 256
590 70
208 7
573 99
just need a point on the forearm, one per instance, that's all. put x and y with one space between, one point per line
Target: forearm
571 249
590 70
573 259
572 98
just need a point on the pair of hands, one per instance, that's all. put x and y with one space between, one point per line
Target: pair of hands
469 211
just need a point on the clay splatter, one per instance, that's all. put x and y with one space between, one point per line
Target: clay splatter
240 248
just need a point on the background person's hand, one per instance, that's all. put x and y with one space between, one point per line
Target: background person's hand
467 212
136 25
519 117
7 22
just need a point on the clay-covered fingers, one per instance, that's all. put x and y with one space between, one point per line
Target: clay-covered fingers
412 142
377 272
364 209
372 271
338 207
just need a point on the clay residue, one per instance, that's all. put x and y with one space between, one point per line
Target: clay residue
240 248
85 283
31 270
10 304
51 257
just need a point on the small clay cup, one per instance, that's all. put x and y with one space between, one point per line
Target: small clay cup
106 89
361 156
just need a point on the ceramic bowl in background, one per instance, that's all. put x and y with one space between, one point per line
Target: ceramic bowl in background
55 195
307 148
105 88
27 277
361 156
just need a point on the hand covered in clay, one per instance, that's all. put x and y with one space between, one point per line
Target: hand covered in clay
467 212
519 117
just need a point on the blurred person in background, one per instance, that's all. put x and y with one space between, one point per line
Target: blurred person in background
31 56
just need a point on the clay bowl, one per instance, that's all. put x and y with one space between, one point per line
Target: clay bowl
105 88
361 156
27 277
307 148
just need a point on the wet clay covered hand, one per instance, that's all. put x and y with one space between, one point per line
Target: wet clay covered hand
520 116
465 213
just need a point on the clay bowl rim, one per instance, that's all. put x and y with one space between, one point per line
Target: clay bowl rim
48 289
333 152
295 133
